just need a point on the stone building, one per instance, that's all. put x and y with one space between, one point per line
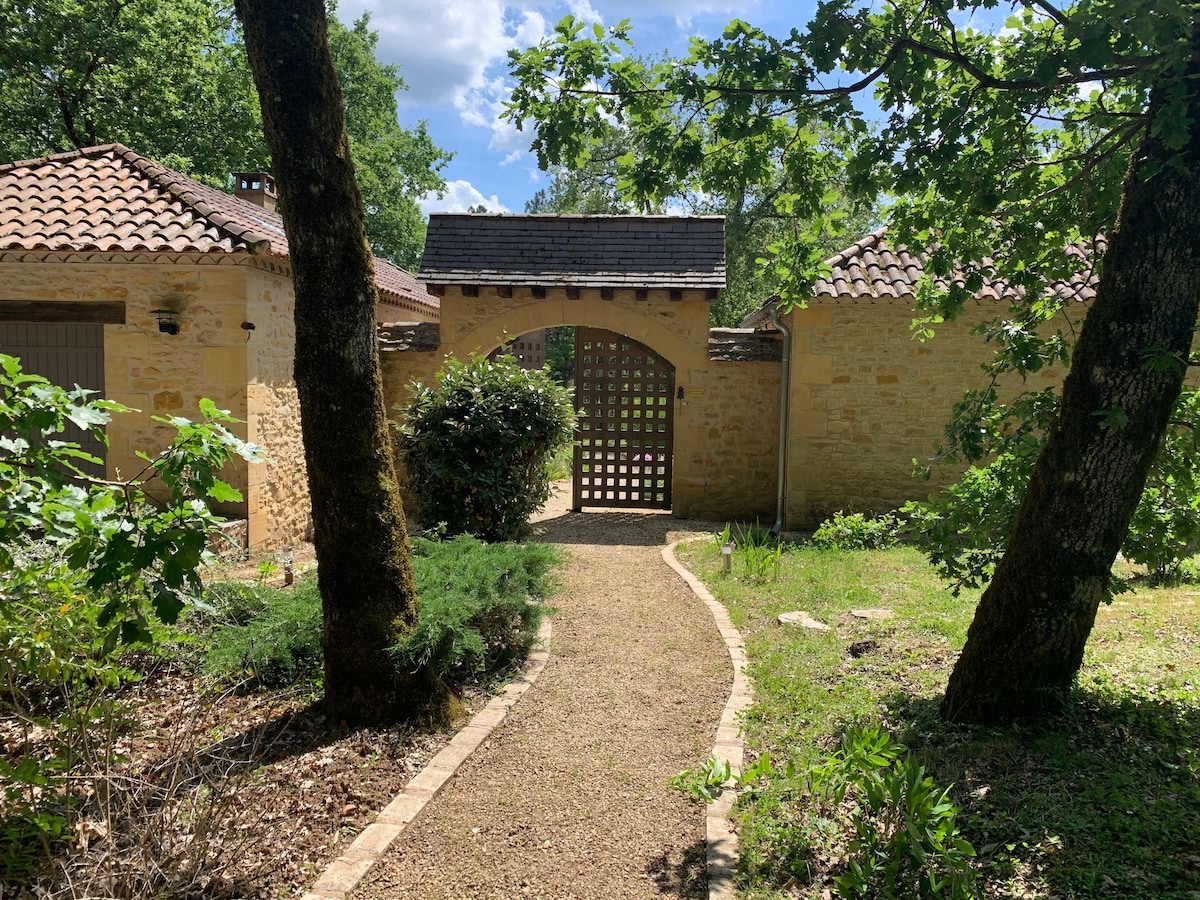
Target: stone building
866 399
125 277
863 398
648 280
128 278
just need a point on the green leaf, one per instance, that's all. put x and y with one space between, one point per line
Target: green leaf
221 492
166 603
1112 419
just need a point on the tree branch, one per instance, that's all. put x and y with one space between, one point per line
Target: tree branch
1001 84
1053 12
958 59
1084 172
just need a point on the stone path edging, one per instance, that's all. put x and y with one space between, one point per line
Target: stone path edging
344 874
722 841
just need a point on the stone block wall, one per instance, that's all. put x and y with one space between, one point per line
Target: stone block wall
726 422
154 373
726 441
867 399
277 503
157 374
399 368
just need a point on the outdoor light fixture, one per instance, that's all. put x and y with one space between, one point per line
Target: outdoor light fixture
168 320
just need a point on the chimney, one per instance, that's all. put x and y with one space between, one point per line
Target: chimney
257 187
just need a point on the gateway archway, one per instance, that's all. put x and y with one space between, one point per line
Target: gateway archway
648 278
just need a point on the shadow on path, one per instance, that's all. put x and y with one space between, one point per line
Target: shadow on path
617 529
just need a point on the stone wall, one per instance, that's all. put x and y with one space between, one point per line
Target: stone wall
156 374
277 499
726 423
728 442
165 375
400 366
867 399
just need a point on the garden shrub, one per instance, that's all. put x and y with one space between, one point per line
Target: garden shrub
270 637
854 531
867 811
964 530
479 613
476 444
480 607
87 568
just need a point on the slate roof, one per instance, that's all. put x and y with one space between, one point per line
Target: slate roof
575 250
870 271
111 199
744 345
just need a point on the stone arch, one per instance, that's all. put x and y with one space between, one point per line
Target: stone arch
485 337
725 410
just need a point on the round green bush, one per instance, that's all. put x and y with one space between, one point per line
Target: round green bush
475 445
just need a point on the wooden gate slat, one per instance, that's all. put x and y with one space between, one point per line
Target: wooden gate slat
625 394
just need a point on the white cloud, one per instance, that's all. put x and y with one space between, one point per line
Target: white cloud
444 49
583 10
453 54
460 196
483 106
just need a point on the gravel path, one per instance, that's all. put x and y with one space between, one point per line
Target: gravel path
567 798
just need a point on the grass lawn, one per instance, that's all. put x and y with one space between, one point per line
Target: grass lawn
1103 801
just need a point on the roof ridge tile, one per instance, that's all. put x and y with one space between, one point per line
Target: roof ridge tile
179 186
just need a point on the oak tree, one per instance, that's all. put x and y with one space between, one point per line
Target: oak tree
1070 124
364 568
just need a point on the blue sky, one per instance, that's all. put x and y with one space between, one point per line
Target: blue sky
453 55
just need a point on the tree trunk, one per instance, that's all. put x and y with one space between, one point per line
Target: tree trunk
1027 640
364 569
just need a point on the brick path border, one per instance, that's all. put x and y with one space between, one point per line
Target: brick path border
344 874
722 841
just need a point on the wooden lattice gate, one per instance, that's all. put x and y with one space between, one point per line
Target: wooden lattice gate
625 395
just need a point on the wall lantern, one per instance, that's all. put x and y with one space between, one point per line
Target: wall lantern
168 320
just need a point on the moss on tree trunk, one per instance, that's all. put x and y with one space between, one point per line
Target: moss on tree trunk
1027 640
360 537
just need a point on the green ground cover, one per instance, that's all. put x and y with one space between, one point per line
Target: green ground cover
481 606
1102 801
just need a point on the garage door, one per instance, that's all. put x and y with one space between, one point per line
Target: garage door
67 354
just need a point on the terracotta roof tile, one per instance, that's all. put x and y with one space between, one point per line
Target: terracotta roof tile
871 270
575 250
113 200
